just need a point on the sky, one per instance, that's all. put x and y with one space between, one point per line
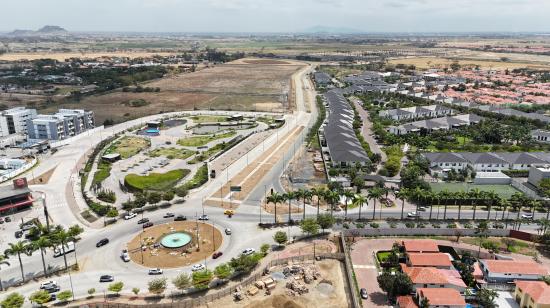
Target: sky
278 15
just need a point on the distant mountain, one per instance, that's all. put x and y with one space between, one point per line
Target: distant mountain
46 30
332 30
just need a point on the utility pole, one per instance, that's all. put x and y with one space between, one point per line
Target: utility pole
46 211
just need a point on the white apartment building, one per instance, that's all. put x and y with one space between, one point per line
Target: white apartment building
14 120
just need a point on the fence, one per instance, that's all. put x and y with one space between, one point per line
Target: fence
421 231
207 298
18 171
348 265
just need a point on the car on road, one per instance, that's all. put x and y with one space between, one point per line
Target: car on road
102 242
227 231
1 220
198 267
155 271
52 289
364 294
422 209
124 256
47 284
7 219
203 217
143 220
180 218
106 278
130 216
229 212
527 216
248 251
412 214
217 255
147 225
168 215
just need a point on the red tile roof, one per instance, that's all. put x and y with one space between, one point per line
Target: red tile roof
442 296
425 275
515 267
406 301
539 291
429 259
420 246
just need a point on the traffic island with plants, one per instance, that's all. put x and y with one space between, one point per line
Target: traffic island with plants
155 181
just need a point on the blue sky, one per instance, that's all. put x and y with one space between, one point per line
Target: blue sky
278 15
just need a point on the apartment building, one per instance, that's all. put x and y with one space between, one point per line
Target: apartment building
14 120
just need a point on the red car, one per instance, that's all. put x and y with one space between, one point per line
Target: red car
217 255
147 225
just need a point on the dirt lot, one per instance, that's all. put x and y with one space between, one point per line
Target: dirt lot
62 56
247 85
327 291
433 62
170 258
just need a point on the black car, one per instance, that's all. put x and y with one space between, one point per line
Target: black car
18 234
147 225
53 298
364 294
106 278
143 220
102 242
52 289
168 215
7 219
180 218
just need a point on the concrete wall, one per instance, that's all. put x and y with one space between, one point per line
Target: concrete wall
420 231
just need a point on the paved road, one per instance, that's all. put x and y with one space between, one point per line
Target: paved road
366 132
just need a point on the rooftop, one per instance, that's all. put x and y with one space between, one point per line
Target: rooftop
429 259
421 246
539 291
406 301
515 267
442 296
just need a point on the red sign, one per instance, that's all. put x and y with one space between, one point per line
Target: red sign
20 183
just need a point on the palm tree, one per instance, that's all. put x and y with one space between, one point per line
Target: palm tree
359 200
402 194
319 192
348 195
306 195
374 194
289 196
41 244
275 198
62 237
504 204
332 197
535 204
17 249
432 196
384 191
475 194
446 195
491 198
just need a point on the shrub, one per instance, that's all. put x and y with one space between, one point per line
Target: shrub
393 225
451 225
374 225
359 225
468 225
409 224
106 195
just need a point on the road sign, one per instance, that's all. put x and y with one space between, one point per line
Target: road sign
235 188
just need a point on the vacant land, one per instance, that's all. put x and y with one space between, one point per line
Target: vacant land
62 56
208 119
434 62
128 146
171 153
156 181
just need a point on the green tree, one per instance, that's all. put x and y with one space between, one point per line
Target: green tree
374 194
182 281
14 300
395 285
157 286
325 221
168 196
112 213
275 198
135 291
425 303
116 287
348 196
223 271
40 297
64 296
91 292
319 192
243 264
201 279
486 298
264 249
481 231
280 237
289 196
16 250
181 191
61 238
359 200
41 244
332 197
309 226
154 197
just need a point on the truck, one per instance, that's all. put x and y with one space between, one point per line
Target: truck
58 250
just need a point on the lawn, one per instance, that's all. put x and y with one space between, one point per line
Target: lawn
155 181
171 153
208 119
197 141
128 146
502 190
200 177
103 172
503 244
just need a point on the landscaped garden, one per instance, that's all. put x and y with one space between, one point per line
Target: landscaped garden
208 119
155 181
128 146
171 153
197 141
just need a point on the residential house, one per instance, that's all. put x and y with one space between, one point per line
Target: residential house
430 277
406 301
429 259
322 78
532 294
541 135
444 123
505 271
447 298
417 112
419 246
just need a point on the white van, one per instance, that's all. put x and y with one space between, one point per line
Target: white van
58 250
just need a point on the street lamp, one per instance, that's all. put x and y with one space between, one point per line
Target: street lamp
46 211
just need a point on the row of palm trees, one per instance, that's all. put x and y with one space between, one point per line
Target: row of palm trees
472 198
42 239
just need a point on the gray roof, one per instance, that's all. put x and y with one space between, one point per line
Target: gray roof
444 157
9 191
521 158
483 158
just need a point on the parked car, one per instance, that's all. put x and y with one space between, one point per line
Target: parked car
143 220
412 214
106 278
47 284
217 255
147 225
527 216
102 242
248 251
198 267
155 271
203 217
130 216
180 218
18 234
1 220
7 219
124 256
227 231
168 215
52 289
364 294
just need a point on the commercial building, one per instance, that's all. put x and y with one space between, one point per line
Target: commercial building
532 294
14 120
507 271
15 197
77 120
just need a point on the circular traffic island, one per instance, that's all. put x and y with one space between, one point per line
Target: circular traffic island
175 244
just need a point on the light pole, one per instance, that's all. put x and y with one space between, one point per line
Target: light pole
46 211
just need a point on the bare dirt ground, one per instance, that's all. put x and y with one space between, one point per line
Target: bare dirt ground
62 56
327 291
43 178
492 63
210 241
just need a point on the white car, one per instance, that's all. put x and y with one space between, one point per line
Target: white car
198 267
155 271
412 214
124 256
48 284
527 216
130 216
248 251
227 231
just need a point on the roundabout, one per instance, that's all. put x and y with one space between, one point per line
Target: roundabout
175 244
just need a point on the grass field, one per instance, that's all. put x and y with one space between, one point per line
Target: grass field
155 181
502 190
128 146
197 141
208 119
171 153
435 62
